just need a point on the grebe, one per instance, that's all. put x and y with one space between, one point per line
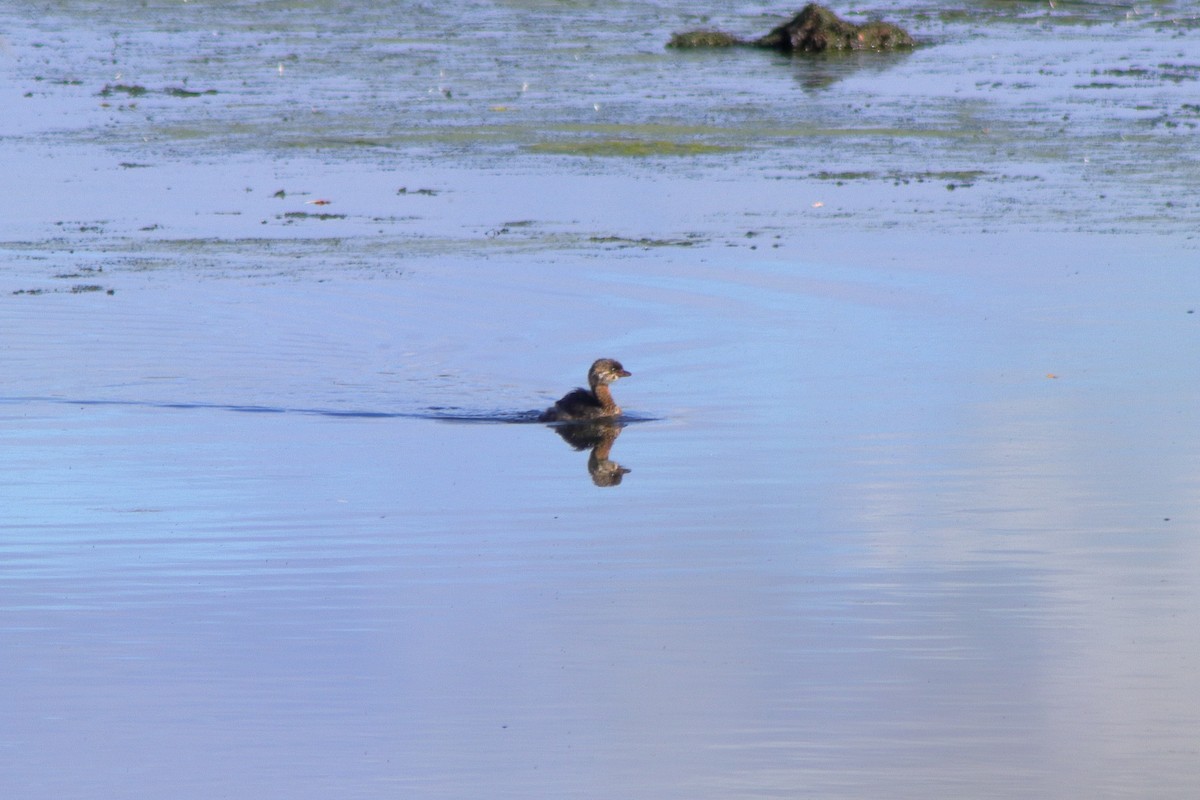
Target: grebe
594 403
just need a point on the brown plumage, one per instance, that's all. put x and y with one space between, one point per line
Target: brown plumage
595 402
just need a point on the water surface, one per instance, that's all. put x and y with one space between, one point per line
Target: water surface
911 510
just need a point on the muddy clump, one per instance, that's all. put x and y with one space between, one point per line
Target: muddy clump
815 29
705 39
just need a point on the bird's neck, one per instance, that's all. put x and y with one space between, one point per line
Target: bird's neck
604 395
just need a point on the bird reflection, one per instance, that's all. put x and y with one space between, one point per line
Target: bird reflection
599 435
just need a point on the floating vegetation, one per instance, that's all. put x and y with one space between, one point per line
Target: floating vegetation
133 90
1141 76
307 215
82 272
81 288
634 148
690 39
507 227
645 242
841 177
137 90
175 91
955 178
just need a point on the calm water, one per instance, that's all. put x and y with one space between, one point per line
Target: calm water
912 508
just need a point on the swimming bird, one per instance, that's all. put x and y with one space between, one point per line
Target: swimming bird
595 402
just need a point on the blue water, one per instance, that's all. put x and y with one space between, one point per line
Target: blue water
911 501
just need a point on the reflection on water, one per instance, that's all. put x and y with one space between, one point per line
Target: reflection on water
872 549
916 516
817 74
598 437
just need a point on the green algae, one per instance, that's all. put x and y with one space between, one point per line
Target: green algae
292 215
177 91
130 89
643 242
960 178
693 39
79 288
137 90
628 148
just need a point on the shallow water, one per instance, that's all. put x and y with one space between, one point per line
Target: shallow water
911 508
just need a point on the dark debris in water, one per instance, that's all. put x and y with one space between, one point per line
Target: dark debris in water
1140 77
130 89
644 242
137 90
83 227
79 288
58 81
815 29
294 215
703 39
954 178
635 148
83 272
177 91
